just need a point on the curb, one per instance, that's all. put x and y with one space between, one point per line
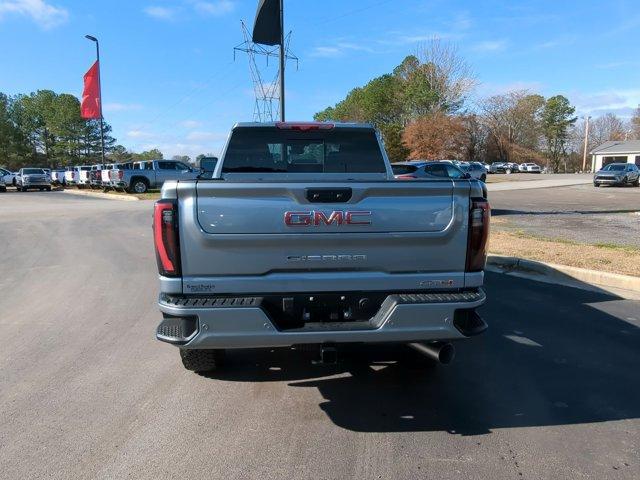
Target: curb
626 286
106 196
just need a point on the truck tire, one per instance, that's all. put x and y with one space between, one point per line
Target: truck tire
202 360
637 182
139 185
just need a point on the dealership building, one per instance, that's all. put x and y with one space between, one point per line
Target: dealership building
615 152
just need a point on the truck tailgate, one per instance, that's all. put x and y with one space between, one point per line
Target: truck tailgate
261 236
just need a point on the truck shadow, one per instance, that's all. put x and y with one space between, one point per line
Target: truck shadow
552 356
498 212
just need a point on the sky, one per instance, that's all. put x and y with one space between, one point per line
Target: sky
170 80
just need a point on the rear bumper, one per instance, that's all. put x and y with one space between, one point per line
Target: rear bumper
242 322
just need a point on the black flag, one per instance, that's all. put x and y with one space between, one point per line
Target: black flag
267 29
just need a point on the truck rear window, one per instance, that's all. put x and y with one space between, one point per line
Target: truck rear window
269 149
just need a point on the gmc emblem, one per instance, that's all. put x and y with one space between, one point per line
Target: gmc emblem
314 218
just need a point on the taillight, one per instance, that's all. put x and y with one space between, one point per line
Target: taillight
304 126
405 177
479 216
165 237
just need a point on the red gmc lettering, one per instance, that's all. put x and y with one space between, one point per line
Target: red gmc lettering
321 217
358 218
297 219
316 218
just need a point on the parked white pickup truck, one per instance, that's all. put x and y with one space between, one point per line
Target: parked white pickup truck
78 175
302 235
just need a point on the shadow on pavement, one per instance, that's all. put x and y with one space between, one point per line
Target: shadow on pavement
498 212
552 356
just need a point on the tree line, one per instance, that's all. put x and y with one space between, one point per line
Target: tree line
44 129
423 111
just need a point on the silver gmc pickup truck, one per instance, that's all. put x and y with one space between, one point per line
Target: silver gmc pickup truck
301 235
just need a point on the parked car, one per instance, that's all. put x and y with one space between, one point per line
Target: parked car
72 176
84 176
208 164
8 177
617 174
475 170
104 175
29 178
529 168
496 167
57 177
116 174
503 167
291 244
95 176
511 167
153 173
426 169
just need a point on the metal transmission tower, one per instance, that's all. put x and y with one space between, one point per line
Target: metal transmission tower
267 93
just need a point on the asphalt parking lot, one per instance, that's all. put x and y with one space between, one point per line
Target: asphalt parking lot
551 391
580 213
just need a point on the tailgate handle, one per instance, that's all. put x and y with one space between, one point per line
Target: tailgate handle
328 195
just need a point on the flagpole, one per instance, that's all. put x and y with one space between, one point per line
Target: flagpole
282 60
94 39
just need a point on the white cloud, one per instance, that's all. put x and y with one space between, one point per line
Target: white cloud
205 136
138 133
489 46
339 49
216 8
563 41
397 38
45 15
489 89
326 52
612 65
161 13
190 123
622 102
121 107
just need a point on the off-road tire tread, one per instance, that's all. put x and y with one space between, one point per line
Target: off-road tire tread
205 360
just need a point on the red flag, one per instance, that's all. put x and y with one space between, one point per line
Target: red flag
90 105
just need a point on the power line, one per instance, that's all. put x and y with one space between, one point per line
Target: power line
350 12
191 93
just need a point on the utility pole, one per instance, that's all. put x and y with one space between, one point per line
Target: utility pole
586 142
282 60
94 39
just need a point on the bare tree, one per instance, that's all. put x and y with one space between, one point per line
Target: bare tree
435 79
450 76
474 137
635 124
513 124
605 128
